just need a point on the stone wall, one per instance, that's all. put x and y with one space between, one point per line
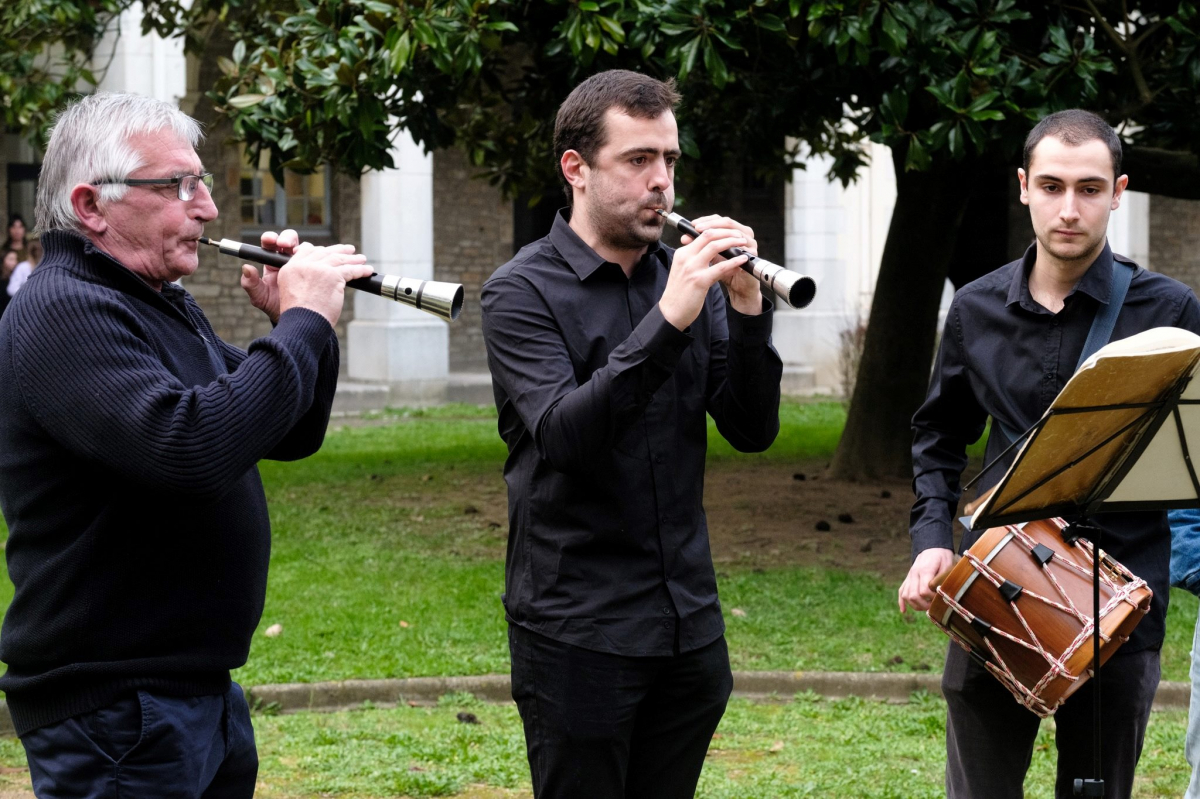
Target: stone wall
1175 238
472 236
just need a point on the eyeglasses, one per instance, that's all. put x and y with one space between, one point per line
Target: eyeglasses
187 184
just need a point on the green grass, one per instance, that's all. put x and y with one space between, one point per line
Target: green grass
390 523
809 747
376 530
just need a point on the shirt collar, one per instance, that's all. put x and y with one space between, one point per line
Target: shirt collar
579 256
1096 281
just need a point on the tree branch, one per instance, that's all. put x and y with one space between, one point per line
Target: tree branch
1135 66
1170 173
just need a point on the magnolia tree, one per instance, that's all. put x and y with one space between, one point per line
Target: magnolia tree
950 86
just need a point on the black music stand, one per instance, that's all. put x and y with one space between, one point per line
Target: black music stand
1117 438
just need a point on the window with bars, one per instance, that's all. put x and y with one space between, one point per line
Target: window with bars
300 202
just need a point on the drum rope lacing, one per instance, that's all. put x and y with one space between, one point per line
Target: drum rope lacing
1031 698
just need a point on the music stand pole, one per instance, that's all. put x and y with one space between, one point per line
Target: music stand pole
1095 786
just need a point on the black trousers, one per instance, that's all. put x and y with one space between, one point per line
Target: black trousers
145 744
605 726
989 737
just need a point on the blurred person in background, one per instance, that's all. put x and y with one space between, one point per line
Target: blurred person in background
25 268
16 237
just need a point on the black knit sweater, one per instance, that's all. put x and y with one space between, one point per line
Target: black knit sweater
138 529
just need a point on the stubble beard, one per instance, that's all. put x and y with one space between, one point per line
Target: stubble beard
1073 255
621 227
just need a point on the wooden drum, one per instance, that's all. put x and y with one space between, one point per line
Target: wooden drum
1020 602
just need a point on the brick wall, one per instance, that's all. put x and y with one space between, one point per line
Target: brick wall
1175 238
215 285
472 236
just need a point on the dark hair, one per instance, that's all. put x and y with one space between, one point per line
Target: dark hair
579 125
1074 127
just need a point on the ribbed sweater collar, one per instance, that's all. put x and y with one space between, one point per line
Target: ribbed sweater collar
80 255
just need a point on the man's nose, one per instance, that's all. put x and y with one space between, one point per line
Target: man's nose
660 176
1070 206
203 208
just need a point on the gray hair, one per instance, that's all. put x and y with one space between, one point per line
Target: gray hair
90 141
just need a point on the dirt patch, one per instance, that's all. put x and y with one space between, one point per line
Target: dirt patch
760 515
771 514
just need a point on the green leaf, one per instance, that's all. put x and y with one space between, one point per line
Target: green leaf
589 5
770 22
956 142
894 31
917 157
895 105
688 54
1059 37
942 96
613 28
246 100
982 101
239 52
715 66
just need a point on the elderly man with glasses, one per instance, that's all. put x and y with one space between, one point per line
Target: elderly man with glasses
129 433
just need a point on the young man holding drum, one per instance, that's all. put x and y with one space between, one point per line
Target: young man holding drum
1012 340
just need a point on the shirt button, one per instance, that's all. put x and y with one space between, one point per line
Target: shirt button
658 458
667 611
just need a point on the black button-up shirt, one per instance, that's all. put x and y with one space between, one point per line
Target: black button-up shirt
602 404
1003 355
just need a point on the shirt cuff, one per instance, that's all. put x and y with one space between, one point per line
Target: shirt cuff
932 536
661 340
750 329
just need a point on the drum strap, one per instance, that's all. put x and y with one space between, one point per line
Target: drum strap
1106 316
1103 325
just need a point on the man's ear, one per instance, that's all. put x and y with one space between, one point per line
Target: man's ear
85 199
1118 190
574 169
1023 179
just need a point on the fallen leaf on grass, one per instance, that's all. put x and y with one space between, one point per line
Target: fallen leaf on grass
777 746
403 623
274 631
741 614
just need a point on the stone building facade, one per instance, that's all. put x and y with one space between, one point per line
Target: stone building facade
1175 238
472 236
432 218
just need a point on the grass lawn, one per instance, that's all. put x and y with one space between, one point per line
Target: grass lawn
810 747
388 562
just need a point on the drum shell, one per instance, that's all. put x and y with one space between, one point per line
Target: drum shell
1055 629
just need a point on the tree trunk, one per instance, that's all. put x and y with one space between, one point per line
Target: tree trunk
893 374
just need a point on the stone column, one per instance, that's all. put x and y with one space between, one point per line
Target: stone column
836 235
1129 228
147 65
387 341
